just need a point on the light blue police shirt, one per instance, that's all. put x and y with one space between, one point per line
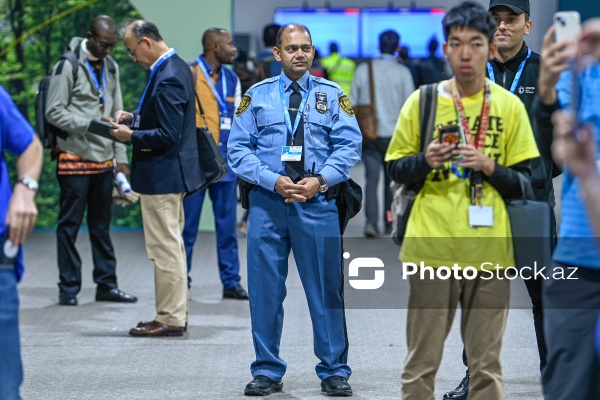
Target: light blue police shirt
332 139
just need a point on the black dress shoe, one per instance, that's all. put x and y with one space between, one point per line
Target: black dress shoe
115 295
67 300
336 386
462 390
262 386
236 292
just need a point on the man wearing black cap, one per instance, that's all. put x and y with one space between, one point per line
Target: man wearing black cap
516 68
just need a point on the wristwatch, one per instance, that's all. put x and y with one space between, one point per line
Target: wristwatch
323 182
31 183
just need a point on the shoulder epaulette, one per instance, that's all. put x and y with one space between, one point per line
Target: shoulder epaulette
324 81
265 81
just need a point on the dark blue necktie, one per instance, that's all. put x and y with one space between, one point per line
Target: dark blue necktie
295 169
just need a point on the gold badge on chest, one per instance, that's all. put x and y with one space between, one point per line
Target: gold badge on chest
321 99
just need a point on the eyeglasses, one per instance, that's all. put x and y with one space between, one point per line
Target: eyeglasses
132 52
104 45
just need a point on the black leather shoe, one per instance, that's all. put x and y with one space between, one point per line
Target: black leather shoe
262 386
67 300
115 295
336 386
462 390
236 292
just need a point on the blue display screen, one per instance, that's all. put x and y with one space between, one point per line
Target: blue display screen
326 25
356 31
415 26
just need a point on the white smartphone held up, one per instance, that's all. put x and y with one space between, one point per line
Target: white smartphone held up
567 25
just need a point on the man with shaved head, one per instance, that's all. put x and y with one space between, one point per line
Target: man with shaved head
220 92
86 162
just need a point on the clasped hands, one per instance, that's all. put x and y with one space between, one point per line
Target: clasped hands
300 192
438 153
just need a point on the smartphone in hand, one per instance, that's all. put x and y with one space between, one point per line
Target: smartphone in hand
448 134
567 25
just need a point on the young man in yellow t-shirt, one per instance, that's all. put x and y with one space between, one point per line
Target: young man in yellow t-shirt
459 216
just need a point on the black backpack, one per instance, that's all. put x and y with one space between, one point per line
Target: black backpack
47 131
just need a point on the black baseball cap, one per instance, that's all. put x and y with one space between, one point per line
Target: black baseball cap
518 6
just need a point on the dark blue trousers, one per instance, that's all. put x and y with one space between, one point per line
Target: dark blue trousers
311 231
11 367
224 198
571 307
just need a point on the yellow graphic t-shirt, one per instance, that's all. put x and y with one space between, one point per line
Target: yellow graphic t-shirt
438 231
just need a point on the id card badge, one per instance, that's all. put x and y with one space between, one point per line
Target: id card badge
136 122
481 216
291 153
225 123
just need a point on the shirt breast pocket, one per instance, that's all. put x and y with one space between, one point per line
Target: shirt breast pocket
319 125
270 124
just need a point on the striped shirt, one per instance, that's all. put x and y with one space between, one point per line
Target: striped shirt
72 164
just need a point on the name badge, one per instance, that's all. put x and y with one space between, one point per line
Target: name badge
225 123
481 216
136 123
291 153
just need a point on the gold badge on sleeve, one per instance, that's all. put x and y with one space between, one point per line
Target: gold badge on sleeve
244 105
345 105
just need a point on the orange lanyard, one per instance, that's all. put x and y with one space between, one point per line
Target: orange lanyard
475 177
484 118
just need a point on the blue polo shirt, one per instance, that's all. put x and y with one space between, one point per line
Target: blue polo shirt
577 243
16 135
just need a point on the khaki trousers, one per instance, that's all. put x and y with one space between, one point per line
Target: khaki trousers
432 305
163 220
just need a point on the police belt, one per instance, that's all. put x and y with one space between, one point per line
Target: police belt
332 192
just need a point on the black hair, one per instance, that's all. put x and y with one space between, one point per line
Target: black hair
470 15
333 47
433 45
270 34
290 26
103 23
141 29
388 42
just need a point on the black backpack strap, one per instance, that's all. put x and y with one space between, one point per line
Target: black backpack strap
73 59
111 64
195 75
427 108
428 105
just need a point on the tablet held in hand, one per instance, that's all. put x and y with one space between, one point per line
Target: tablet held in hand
102 128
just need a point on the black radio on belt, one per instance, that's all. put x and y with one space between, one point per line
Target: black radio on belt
245 188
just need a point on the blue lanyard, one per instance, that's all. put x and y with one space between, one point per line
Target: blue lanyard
286 105
222 105
517 76
164 58
95 79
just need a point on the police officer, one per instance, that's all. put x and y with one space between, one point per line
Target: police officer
295 137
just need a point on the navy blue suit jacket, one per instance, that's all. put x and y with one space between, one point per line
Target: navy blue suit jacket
165 150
